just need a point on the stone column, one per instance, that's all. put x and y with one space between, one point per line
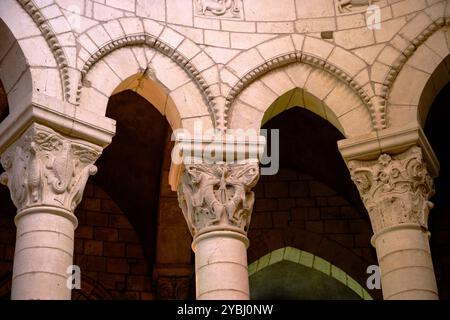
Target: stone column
46 174
217 203
396 192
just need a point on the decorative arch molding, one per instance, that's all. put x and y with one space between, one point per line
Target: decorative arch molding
314 89
354 264
297 57
411 47
428 63
163 83
308 260
53 43
151 41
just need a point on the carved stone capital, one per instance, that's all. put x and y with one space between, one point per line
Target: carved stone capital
174 288
218 195
394 189
44 168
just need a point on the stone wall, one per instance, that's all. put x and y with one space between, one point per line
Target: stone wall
107 250
210 57
294 209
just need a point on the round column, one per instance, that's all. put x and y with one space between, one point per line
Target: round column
44 252
396 192
221 265
405 263
46 174
217 202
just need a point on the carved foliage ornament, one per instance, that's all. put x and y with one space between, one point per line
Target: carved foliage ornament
218 195
45 168
395 190
175 288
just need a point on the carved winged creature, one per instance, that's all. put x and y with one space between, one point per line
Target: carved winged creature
217 7
218 195
348 4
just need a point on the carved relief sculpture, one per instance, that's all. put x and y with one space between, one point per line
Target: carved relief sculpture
45 168
174 288
231 8
218 195
347 5
395 190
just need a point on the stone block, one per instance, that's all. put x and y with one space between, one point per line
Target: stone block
217 38
113 249
93 247
95 263
280 10
105 234
115 265
155 9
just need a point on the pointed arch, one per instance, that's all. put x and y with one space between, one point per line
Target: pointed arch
424 71
23 72
285 63
300 85
175 81
312 265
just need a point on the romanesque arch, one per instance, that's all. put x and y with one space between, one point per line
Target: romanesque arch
421 77
319 70
177 82
300 85
16 62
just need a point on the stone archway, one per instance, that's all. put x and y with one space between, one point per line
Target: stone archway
158 63
419 80
302 85
293 274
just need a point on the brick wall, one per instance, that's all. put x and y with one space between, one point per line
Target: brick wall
294 209
174 265
107 250
7 240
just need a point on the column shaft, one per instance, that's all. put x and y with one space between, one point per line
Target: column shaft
46 174
44 251
221 266
217 203
396 192
405 263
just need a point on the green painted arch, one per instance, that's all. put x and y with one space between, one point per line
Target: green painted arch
301 98
311 266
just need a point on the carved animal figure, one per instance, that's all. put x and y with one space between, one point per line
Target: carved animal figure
217 7
348 4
